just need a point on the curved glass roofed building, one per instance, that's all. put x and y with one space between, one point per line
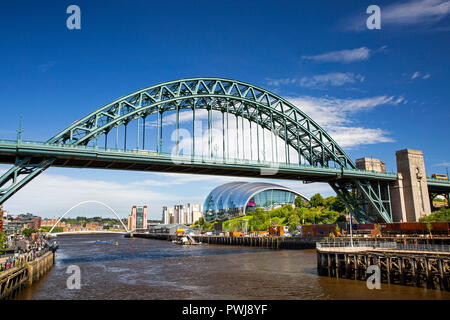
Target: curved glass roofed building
236 198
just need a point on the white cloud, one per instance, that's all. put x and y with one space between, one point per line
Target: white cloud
335 116
46 66
418 74
335 79
354 136
415 75
278 82
405 13
344 56
442 164
415 12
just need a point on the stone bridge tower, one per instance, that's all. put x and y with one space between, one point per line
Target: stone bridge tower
410 199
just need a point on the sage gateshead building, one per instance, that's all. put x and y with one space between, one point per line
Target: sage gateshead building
238 198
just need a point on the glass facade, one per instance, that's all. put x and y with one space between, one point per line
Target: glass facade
140 218
236 198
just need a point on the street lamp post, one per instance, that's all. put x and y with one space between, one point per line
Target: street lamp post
351 233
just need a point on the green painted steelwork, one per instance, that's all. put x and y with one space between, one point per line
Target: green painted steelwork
319 157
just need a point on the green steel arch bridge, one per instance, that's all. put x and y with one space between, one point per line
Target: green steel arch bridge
249 132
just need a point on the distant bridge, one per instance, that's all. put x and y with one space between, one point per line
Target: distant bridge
251 132
74 233
49 233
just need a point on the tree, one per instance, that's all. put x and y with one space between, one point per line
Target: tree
302 212
299 202
317 201
429 228
338 205
341 218
258 222
441 215
27 232
3 238
338 230
328 201
293 222
327 217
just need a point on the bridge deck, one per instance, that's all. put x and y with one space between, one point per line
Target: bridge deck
141 160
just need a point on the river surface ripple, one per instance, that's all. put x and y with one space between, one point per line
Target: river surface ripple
154 269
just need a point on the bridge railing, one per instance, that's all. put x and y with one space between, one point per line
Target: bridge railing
385 245
196 159
430 179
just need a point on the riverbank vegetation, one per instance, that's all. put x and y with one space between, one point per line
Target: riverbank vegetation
443 215
47 229
318 210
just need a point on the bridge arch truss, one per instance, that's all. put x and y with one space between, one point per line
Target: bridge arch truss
305 142
84 202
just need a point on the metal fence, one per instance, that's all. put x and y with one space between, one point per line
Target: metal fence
386 245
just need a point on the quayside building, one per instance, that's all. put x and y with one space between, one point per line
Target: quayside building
238 198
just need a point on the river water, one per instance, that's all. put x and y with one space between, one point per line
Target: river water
155 269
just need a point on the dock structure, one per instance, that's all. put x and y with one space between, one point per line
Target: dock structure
419 266
275 242
12 281
262 242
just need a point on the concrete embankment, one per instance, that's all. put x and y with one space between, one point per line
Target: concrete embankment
14 279
427 269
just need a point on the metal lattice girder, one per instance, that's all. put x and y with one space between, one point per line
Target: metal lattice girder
234 97
230 97
359 196
382 206
24 168
347 192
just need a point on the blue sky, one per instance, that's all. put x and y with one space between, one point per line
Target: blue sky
374 91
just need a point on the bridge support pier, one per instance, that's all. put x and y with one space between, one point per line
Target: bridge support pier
412 187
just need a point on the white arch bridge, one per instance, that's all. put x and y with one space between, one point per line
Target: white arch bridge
49 233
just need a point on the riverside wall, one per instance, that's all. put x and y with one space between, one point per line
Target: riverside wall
15 279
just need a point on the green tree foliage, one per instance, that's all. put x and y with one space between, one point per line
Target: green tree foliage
327 217
322 211
283 212
328 201
47 229
429 227
293 222
317 201
341 218
27 232
3 238
236 225
203 224
338 205
277 221
437 216
259 222
300 202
